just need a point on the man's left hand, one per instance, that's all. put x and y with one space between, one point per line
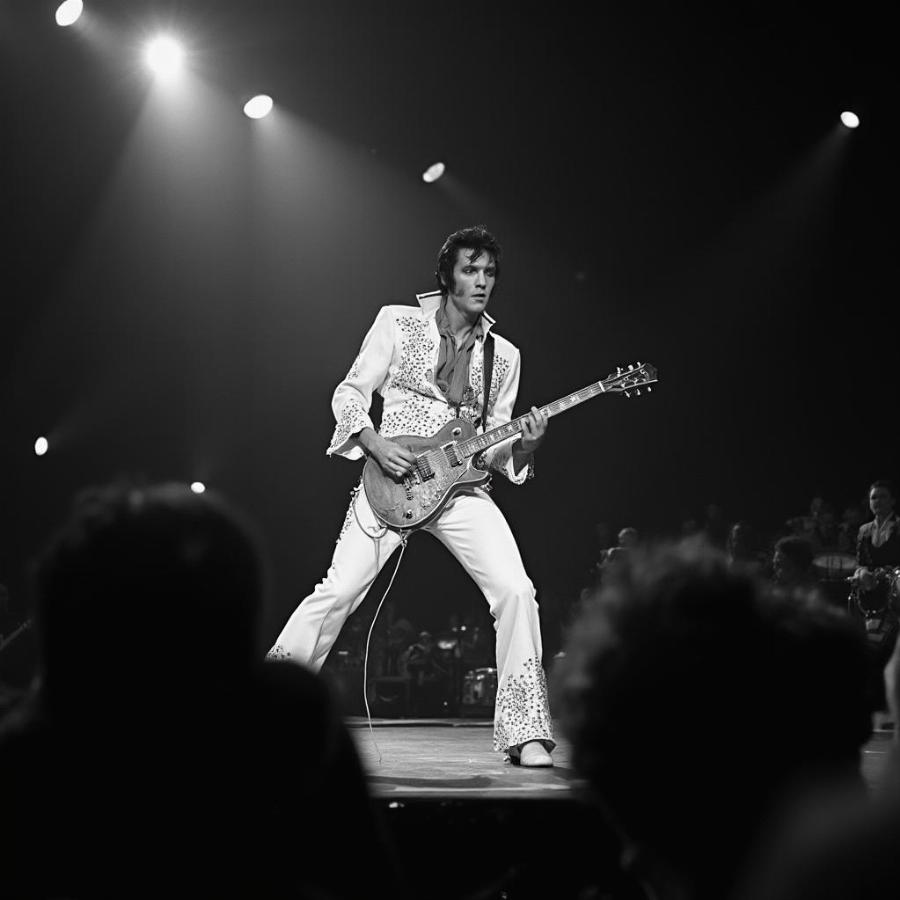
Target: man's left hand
534 427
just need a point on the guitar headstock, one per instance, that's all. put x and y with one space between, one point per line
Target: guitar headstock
630 380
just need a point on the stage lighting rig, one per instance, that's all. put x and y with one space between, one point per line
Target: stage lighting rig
69 12
257 107
432 173
165 56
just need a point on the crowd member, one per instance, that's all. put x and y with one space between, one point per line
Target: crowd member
627 538
160 757
845 847
826 533
792 567
853 516
805 526
677 648
742 548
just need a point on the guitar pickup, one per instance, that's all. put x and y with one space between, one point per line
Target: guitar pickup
451 454
423 468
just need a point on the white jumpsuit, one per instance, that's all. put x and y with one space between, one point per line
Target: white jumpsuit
398 360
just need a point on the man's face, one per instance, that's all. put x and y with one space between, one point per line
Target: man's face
473 282
880 501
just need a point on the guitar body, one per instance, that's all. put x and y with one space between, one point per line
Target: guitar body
445 461
439 473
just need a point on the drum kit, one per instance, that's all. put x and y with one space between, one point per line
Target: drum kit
832 571
879 603
833 567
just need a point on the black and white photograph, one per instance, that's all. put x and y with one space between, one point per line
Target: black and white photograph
449 451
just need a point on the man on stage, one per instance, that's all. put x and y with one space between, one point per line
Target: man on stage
428 363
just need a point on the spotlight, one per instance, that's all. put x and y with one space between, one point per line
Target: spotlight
198 487
432 173
850 119
68 13
164 55
41 446
258 106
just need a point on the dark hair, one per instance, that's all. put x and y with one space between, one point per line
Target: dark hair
673 638
884 483
797 549
475 238
140 583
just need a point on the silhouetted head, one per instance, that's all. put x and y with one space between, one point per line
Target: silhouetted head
743 542
144 591
792 560
680 692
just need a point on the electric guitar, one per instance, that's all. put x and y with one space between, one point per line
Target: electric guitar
445 462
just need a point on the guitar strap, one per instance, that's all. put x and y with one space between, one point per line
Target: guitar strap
488 375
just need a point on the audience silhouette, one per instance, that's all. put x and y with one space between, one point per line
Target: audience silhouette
159 756
680 692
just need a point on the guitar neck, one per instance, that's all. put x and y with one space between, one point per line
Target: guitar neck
503 432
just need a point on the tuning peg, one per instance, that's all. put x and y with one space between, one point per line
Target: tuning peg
638 392
618 371
626 393
649 389
631 368
640 364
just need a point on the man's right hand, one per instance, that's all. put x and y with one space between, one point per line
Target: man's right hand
395 461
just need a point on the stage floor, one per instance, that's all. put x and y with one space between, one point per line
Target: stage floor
452 758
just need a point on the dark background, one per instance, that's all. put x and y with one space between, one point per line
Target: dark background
183 287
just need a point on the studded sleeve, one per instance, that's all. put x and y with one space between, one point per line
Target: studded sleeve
353 396
499 457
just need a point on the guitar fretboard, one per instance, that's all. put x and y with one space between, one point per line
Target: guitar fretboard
502 432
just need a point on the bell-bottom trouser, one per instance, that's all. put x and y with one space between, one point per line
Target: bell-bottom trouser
474 530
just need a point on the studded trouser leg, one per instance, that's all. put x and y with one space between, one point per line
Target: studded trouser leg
472 527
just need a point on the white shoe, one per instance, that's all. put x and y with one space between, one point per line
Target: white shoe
531 754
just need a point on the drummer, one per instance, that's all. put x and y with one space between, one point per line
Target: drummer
874 594
878 541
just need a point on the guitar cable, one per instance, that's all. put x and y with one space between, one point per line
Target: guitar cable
376 538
